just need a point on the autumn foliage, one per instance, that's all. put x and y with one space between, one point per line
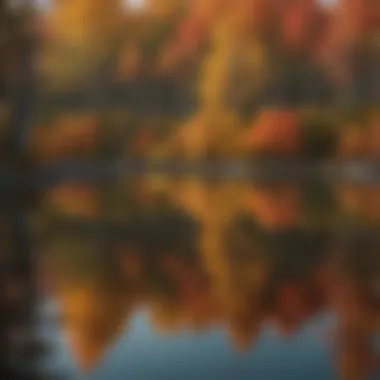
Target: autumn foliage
257 64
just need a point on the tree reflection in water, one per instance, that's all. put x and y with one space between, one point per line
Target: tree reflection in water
198 254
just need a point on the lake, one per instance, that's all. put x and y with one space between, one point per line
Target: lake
185 278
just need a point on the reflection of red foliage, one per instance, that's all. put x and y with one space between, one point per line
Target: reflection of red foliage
290 307
189 281
296 301
321 282
194 292
132 265
72 133
276 131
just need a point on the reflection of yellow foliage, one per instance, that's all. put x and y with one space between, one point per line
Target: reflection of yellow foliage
208 131
245 323
92 319
192 196
213 207
236 290
361 201
74 199
222 206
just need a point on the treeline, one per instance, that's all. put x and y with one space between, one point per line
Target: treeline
211 78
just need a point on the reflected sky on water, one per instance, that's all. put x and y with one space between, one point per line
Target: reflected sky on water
144 354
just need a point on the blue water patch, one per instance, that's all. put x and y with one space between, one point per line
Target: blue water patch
140 353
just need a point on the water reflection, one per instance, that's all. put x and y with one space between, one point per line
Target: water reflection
197 257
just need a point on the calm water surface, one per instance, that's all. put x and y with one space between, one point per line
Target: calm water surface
166 279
